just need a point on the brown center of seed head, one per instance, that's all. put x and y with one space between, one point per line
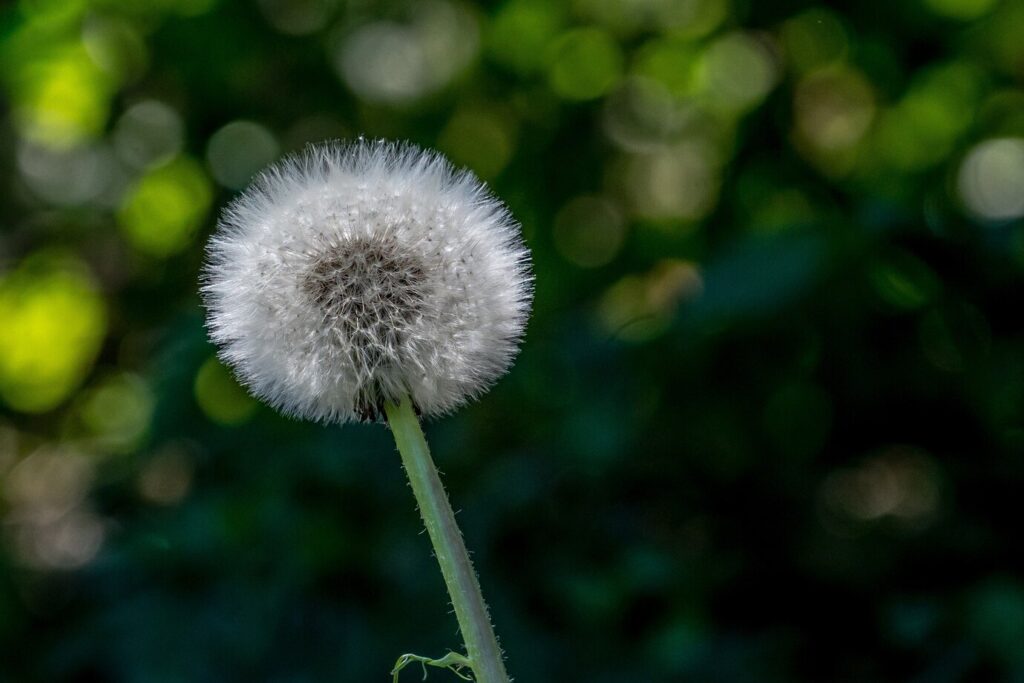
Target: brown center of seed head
371 291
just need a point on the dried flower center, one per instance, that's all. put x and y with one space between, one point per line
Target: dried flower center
368 287
371 291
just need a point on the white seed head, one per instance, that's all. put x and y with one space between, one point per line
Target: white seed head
349 275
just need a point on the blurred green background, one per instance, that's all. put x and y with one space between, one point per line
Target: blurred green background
768 421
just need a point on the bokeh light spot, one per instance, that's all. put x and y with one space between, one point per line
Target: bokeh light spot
672 63
589 231
834 108
585 63
67 177
54 321
166 476
163 211
736 72
923 127
480 139
148 134
238 151
899 483
398 63
814 39
679 182
642 116
67 543
991 179
383 62
50 482
220 396
61 97
118 412
521 32
48 525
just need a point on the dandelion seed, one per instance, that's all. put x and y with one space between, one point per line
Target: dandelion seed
351 275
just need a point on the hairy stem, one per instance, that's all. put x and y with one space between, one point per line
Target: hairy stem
470 610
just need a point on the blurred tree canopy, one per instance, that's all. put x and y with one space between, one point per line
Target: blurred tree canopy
768 421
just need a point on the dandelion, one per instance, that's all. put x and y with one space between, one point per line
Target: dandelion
351 275
353 282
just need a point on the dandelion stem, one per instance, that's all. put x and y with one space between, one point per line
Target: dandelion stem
470 610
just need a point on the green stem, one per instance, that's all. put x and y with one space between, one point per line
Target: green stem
470 611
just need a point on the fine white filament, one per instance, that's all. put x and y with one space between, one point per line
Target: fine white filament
352 274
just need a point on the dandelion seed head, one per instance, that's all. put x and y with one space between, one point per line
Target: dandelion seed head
349 275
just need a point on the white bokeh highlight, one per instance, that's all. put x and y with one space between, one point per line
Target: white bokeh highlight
991 179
